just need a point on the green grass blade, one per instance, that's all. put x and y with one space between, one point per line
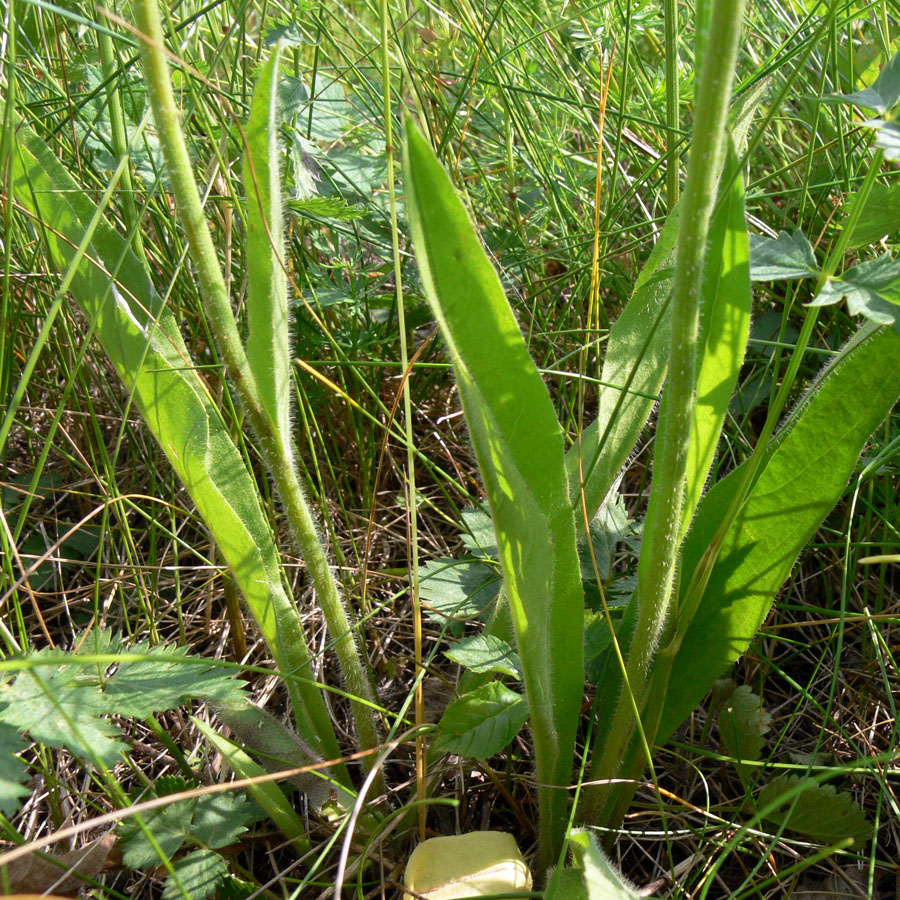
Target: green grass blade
519 445
266 793
803 475
267 308
143 342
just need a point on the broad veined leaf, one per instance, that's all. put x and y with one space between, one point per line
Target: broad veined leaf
879 216
142 340
817 811
872 289
481 723
519 446
267 307
457 590
806 468
882 95
887 136
784 258
486 653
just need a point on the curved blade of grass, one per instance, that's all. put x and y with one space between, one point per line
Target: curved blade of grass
519 445
267 308
803 475
143 342
267 793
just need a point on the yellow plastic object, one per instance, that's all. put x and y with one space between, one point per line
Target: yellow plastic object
466 865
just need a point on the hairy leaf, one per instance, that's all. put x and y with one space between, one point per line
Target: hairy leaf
267 308
803 475
520 450
142 340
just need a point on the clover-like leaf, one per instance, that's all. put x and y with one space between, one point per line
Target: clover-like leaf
787 257
881 95
872 289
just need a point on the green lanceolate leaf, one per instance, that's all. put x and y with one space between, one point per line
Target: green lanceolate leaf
600 879
481 723
267 308
724 328
142 340
784 258
872 289
817 811
519 446
803 474
633 372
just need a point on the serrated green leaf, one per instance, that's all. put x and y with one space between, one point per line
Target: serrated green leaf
743 724
220 819
52 706
881 95
455 591
872 289
326 208
784 258
200 874
143 687
817 811
481 723
170 826
486 653
879 217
